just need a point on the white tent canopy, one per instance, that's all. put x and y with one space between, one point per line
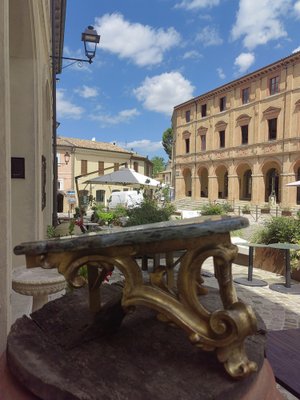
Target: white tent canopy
296 183
125 177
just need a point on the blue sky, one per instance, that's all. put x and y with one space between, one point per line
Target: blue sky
155 54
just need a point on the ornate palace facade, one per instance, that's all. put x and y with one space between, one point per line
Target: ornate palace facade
241 141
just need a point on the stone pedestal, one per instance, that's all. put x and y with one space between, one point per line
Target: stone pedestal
38 283
60 354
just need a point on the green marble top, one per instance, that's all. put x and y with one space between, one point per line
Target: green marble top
169 230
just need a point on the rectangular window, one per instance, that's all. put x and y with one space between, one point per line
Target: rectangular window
187 116
116 166
245 95
203 142
100 196
222 139
274 85
244 130
187 145
100 167
223 103
136 166
272 123
203 110
83 167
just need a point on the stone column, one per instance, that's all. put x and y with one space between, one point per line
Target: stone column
258 189
5 178
212 187
233 188
287 194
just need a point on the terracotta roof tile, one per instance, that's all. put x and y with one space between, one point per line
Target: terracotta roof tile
89 144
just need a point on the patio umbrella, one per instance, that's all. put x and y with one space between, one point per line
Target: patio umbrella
296 183
125 176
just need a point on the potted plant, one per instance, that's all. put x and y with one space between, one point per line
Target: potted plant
246 209
265 210
277 230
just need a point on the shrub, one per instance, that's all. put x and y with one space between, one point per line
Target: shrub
278 229
212 209
283 230
227 207
246 209
149 212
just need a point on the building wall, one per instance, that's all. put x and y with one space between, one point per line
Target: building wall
67 173
211 172
26 133
5 181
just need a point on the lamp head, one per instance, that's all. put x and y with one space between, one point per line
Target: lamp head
90 39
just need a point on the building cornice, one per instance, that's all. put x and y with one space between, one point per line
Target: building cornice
284 62
59 19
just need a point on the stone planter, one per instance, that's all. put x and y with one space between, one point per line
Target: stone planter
295 274
286 213
265 211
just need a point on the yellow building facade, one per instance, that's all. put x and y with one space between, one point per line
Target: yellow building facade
241 142
31 32
89 159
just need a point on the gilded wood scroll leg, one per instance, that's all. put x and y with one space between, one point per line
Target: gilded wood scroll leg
223 273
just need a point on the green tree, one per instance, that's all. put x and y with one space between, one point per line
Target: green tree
167 141
158 165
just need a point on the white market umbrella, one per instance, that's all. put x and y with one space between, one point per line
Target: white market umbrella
125 176
296 183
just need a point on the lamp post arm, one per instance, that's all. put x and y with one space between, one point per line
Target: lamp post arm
74 59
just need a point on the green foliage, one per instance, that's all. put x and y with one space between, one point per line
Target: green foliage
149 212
278 229
71 227
109 217
227 207
246 209
213 209
167 141
51 231
281 230
158 165
239 232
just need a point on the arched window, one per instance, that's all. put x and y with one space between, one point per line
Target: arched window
247 185
272 185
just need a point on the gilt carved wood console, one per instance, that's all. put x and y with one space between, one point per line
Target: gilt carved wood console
174 289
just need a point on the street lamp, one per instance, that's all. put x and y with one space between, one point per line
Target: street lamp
67 157
90 39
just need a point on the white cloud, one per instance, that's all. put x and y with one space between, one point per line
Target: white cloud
258 24
121 117
65 108
221 73
297 9
87 91
244 61
209 36
142 145
142 44
193 54
196 4
296 50
162 92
